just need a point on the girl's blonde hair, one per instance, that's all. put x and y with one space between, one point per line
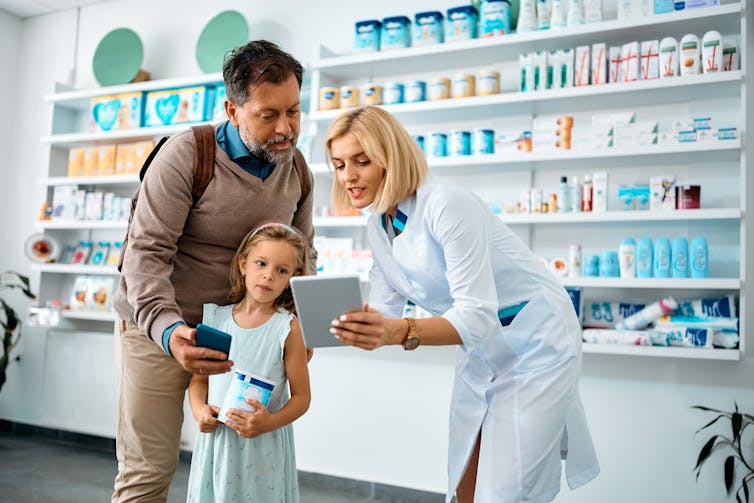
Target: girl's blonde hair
269 232
388 145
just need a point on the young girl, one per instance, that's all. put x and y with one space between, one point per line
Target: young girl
250 458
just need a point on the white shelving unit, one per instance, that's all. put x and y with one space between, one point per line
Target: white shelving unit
719 166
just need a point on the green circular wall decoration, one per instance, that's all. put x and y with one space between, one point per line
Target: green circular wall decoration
118 57
223 32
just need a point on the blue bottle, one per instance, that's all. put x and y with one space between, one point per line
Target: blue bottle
662 258
680 258
644 258
699 255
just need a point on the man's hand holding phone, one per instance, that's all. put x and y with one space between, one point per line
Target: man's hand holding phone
197 359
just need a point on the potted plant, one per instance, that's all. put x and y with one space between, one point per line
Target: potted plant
9 319
735 460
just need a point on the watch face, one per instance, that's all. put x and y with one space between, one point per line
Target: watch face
411 343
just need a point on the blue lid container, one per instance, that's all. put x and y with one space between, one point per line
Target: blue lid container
461 23
396 33
367 35
428 28
416 90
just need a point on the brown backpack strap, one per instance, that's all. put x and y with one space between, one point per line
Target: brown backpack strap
204 160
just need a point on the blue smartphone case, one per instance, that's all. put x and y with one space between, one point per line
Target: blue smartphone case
212 338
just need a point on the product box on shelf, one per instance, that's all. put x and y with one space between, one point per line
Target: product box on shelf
118 111
176 106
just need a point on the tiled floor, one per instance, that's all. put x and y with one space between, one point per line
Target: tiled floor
40 468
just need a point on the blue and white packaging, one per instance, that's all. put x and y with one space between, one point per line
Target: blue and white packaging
118 111
606 314
395 33
415 90
437 145
494 18
367 35
392 93
245 386
428 28
461 23
662 260
218 104
483 141
460 142
716 307
175 106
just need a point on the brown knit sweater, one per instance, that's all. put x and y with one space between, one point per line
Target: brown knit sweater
178 257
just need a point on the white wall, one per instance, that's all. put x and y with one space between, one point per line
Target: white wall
378 416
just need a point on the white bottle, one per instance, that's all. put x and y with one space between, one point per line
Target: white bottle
627 258
527 17
649 314
712 52
689 60
563 195
544 8
668 57
592 11
574 195
557 16
575 13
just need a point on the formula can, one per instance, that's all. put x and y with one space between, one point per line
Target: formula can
396 33
437 145
487 82
483 141
393 93
462 86
460 142
349 97
372 94
428 28
439 89
415 90
367 35
329 98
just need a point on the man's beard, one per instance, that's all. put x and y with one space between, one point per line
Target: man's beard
265 150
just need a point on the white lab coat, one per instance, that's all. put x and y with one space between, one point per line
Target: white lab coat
518 384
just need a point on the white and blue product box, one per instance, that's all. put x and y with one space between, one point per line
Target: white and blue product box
367 35
245 386
117 111
396 33
175 106
217 112
461 23
428 28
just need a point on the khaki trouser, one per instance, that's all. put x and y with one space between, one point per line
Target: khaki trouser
151 388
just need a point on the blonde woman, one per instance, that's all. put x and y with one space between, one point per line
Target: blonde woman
515 410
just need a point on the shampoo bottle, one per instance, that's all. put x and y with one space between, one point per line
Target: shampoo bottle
662 258
544 9
689 60
575 13
649 314
574 195
627 258
563 195
680 258
527 17
712 52
557 16
644 258
699 257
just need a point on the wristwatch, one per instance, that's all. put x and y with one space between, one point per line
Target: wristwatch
412 340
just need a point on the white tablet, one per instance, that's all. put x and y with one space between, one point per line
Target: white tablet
321 299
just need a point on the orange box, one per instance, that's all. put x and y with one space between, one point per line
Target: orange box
76 161
106 160
121 158
91 157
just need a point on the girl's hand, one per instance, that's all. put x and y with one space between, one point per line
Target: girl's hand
251 424
368 329
207 418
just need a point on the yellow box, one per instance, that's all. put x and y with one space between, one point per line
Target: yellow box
139 153
91 157
121 158
106 160
76 161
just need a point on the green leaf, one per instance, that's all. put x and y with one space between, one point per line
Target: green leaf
705 452
730 472
710 423
746 490
735 423
702 407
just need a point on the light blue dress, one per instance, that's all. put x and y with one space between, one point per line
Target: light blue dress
226 467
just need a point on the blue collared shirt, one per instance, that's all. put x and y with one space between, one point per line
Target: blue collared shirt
230 141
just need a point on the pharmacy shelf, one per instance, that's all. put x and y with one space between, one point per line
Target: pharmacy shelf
572 99
481 51
75 314
662 352
669 153
80 99
623 216
130 179
83 224
70 140
340 221
653 283
76 269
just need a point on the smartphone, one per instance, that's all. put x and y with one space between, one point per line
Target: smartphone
212 338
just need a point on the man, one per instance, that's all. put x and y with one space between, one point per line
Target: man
179 253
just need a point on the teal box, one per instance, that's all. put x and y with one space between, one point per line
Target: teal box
176 106
396 33
461 23
428 28
367 35
117 111
495 18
